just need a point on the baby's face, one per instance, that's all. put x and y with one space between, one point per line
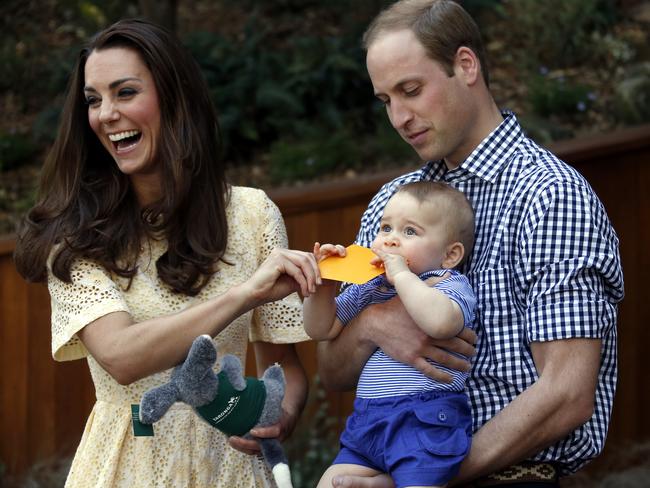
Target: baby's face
415 231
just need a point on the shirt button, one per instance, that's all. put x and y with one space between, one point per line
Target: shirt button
442 416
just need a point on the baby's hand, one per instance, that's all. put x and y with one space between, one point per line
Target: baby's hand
392 263
322 251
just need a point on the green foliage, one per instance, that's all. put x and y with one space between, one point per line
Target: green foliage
267 91
307 158
632 97
555 95
15 149
553 33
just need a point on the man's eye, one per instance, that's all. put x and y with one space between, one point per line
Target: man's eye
412 93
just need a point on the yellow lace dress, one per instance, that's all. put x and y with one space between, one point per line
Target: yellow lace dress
184 451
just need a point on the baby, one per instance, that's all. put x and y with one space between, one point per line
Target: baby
405 424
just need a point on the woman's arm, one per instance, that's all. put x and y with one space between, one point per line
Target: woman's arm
295 394
129 351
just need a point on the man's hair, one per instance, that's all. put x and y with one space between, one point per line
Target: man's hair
451 204
441 26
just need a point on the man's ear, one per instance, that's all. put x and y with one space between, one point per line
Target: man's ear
467 65
453 255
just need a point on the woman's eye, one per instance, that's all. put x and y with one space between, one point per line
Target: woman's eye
127 92
92 101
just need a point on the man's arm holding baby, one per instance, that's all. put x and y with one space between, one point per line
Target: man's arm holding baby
389 326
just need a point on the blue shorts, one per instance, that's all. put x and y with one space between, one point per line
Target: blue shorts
418 439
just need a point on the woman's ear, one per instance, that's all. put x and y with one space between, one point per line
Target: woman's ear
467 65
453 255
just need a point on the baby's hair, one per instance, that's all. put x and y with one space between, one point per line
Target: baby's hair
452 205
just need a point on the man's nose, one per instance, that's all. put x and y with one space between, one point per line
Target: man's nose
400 115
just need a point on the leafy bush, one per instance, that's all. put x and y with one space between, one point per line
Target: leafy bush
268 91
15 149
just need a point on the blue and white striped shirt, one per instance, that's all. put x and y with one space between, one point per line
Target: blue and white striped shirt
382 376
545 267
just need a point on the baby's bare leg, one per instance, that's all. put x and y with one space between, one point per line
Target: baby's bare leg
369 477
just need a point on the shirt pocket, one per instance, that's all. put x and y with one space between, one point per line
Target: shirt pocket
442 433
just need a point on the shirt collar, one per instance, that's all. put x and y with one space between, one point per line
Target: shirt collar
489 158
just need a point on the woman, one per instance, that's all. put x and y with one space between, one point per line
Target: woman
144 246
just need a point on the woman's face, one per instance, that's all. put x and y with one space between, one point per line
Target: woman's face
123 111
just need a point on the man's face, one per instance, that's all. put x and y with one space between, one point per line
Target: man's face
431 110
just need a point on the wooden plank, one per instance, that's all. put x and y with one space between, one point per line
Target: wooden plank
14 380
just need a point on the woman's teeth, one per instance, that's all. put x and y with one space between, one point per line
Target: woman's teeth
123 135
125 140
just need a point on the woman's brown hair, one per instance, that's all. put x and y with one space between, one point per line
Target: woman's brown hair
86 207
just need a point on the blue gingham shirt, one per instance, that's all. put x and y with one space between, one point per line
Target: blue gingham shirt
545 266
383 376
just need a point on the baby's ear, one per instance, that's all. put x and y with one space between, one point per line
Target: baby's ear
453 255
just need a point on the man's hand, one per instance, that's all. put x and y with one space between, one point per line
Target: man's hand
399 337
388 326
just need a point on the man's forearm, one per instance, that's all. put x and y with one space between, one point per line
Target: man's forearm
559 402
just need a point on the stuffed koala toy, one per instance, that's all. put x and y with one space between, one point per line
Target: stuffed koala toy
227 400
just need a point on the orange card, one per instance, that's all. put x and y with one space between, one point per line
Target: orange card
355 267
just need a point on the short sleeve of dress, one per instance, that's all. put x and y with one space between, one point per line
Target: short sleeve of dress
91 295
278 322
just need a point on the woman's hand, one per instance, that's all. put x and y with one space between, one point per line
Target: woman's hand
280 431
283 272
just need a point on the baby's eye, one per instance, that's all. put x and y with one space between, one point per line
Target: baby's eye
385 228
410 231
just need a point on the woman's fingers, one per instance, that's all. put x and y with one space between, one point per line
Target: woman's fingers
301 266
247 446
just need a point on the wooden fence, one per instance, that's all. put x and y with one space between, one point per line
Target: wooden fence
43 404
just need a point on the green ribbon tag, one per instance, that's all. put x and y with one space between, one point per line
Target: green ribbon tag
140 429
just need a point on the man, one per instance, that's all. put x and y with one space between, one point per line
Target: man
545 266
